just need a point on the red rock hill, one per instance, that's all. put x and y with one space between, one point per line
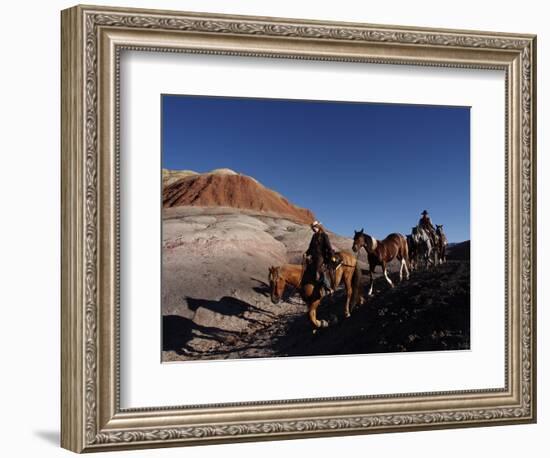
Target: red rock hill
224 187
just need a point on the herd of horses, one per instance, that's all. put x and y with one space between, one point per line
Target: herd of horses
415 251
424 250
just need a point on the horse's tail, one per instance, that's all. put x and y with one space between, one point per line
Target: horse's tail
355 286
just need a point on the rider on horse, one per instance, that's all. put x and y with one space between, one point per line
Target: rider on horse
425 223
319 254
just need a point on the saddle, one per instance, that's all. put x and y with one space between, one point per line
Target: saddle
326 272
336 261
432 235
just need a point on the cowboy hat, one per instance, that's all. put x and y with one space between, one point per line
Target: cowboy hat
425 212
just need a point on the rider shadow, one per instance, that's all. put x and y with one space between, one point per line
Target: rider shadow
228 306
178 331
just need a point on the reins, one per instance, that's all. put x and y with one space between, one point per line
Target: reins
294 287
302 273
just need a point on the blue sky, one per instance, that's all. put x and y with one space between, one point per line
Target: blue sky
354 165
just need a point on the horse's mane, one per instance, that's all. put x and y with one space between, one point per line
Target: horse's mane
290 267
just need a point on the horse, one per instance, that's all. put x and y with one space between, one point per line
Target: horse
411 245
424 247
442 243
345 268
379 253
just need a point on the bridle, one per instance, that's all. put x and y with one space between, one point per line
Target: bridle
363 244
275 279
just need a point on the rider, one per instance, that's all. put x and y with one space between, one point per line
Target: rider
320 253
425 223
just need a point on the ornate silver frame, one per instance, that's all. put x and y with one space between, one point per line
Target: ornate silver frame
92 38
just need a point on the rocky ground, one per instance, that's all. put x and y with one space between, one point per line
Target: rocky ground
429 312
216 305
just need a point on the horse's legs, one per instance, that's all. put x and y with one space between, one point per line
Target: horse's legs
338 277
429 260
349 292
371 270
403 265
384 267
313 315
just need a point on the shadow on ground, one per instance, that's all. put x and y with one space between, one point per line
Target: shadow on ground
262 288
178 331
228 306
51 437
431 311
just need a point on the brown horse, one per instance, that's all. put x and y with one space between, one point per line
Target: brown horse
379 253
345 268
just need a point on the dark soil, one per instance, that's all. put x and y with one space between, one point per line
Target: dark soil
459 251
429 312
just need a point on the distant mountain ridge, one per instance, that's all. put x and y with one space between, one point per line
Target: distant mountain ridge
227 188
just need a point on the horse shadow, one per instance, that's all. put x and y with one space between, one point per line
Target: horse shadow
178 331
228 306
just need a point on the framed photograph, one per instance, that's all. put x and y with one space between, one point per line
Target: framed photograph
277 228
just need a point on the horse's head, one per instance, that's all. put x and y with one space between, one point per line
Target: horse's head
358 240
439 228
276 284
